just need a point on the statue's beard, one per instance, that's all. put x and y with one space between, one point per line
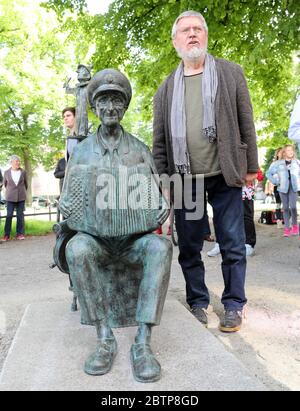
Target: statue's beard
194 53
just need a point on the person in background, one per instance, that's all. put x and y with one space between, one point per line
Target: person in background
68 115
285 175
250 232
260 176
278 156
15 183
271 190
294 128
206 231
159 231
60 172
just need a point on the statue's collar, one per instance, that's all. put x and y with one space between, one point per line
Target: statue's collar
100 145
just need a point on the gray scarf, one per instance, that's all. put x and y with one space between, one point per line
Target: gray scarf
178 118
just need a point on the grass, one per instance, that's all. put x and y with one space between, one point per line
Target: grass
32 227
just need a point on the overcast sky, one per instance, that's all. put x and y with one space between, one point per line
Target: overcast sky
98 6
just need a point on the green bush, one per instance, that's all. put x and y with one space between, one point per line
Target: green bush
32 227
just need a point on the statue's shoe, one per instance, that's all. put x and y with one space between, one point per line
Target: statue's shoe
100 362
145 367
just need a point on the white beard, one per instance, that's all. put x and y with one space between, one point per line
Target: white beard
194 53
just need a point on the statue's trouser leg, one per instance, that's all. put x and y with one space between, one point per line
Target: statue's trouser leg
155 255
83 255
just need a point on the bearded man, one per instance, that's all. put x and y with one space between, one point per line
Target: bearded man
203 125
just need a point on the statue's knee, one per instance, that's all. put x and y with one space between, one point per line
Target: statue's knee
78 247
160 245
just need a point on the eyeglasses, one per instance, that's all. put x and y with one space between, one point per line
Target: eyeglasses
115 100
196 30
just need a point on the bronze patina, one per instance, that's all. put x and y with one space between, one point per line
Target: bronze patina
119 268
80 92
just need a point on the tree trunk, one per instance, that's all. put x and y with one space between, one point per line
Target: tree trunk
29 173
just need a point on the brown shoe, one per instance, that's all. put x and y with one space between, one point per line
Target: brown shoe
232 321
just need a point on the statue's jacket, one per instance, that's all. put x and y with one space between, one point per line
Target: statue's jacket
124 266
90 162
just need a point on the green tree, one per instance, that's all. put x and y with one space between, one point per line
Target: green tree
261 35
35 59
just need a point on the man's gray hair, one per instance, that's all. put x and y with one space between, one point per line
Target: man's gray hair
190 13
14 157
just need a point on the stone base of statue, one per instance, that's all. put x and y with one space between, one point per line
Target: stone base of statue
51 347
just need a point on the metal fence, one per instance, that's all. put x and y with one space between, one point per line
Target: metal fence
49 212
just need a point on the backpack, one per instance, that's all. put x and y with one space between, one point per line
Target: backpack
270 216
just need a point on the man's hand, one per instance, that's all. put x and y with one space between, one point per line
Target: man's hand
249 178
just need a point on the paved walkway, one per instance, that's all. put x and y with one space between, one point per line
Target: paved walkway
51 346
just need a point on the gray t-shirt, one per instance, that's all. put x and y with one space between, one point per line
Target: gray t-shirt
70 145
203 154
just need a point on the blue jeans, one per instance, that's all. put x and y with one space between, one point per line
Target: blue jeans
249 222
289 203
228 212
19 206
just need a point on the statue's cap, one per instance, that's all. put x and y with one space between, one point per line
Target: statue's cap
109 80
88 68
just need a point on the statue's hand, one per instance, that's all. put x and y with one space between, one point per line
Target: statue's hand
66 83
65 208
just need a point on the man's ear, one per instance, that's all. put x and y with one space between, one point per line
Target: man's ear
94 110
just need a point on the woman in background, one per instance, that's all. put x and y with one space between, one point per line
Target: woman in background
284 174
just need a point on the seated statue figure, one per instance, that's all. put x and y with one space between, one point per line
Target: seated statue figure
119 268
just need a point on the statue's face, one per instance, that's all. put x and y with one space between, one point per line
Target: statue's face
83 74
110 108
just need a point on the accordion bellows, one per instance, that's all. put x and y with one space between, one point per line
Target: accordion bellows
115 202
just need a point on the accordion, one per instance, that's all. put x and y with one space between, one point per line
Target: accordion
114 202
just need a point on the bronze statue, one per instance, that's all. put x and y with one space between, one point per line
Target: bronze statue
119 268
80 92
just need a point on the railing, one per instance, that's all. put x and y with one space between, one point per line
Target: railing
48 213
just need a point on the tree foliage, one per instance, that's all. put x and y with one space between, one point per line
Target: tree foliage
62 6
37 51
35 60
261 35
